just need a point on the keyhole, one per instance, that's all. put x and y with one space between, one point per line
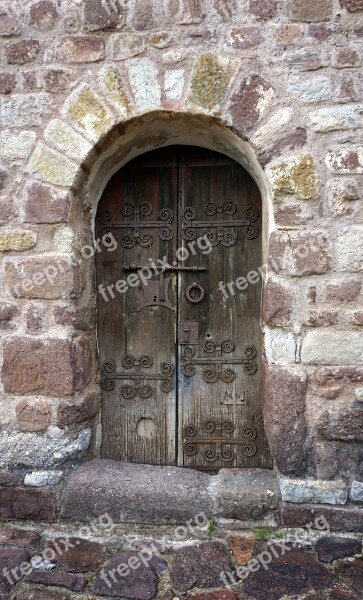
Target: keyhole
155 300
209 335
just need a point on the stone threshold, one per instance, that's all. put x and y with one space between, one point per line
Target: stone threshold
153 495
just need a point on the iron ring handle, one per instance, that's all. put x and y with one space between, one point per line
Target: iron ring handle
194 286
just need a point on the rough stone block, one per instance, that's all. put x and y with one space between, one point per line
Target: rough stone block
263 9
245 37
199 566
342 290
67 140
82 556
75 583
127 45
299 253
277 124
43 204
8 312
19 53
19 537
349 249
210 81
282 577
45 278
113 85
339 519
43 15
9 22
332 347
33 416
87 112
144 82
346 58
337 118
315 89
313 492
69 415
342 426
47 367
23 110
17 241
35 318
246 494
304 59
102 17
82 319
242 548
10 560
16 147
251 102
159 494
278 304
52 167
357 491
287 143
352 5
280 346
296 176
335 548
35 505
310 11
42 478
7 82
174 84
46 451
345 160
285 391
225 8
81 49
138 583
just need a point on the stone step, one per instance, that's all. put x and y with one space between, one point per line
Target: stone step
148 494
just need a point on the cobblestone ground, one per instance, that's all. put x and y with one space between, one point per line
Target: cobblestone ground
170 564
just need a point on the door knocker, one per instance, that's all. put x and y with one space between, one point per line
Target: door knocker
195 293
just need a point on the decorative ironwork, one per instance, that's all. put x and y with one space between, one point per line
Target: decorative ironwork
214 367
135 235
139 387
217 439
221 232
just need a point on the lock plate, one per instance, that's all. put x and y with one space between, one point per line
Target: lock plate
188 332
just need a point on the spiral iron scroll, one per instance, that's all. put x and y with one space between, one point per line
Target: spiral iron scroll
140 387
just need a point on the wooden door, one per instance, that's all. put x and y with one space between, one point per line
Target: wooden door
180 350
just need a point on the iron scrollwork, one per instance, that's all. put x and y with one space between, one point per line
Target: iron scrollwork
139 387
220 228
135 235
217 435
213 367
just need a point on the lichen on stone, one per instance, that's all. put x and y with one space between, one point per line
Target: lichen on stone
210 81
296 177
114 86
18 241
87 111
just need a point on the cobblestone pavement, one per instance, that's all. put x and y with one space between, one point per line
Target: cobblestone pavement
169 564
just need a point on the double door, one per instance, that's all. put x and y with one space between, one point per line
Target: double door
179 312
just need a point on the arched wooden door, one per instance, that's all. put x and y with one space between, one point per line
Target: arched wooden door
180 349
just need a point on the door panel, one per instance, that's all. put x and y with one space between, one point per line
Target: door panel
180 362
137 345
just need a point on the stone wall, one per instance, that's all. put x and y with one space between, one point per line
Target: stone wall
278 86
